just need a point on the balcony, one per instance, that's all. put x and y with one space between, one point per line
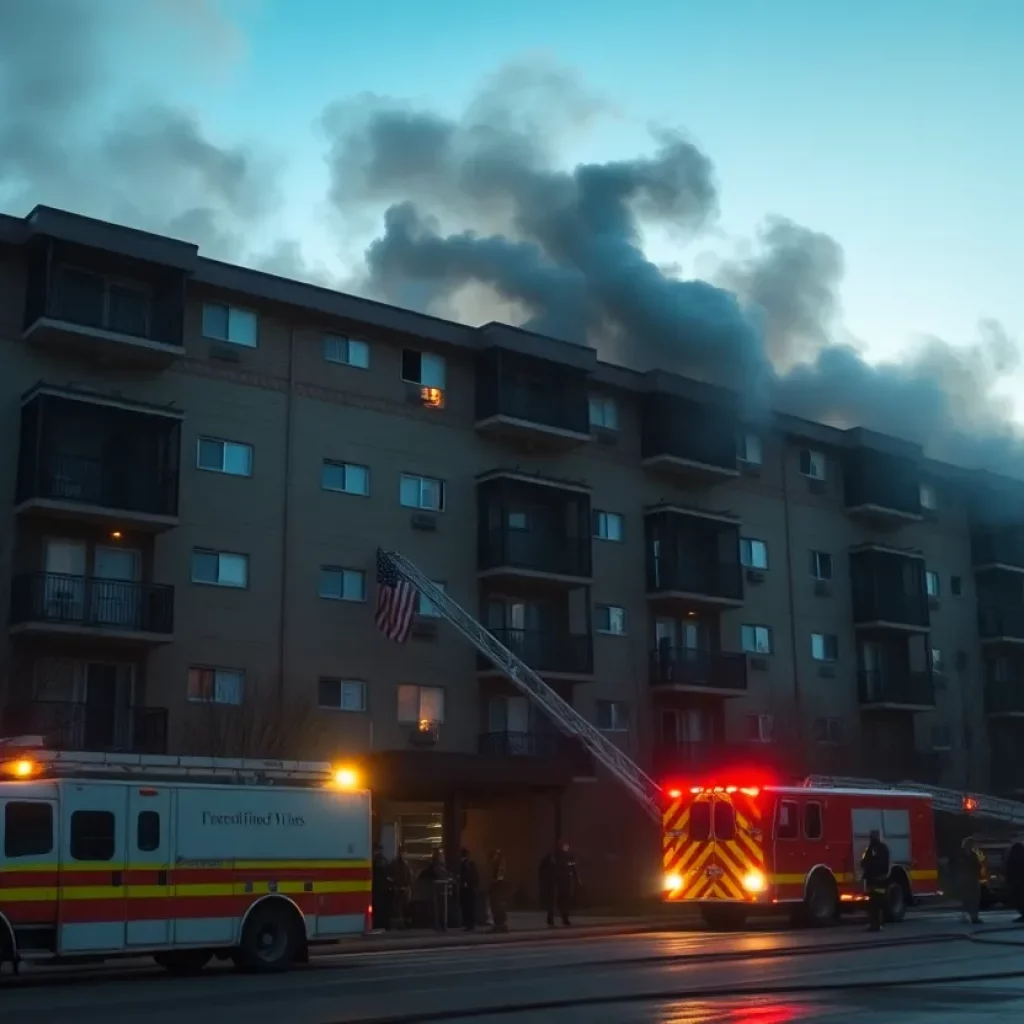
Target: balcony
693 557
568 754
693 671
882 489
998 548
1001 624
735 761
549 652
524 400
690 441
130 313
85 458
897 690
54 603
1005 698
888 590
94 727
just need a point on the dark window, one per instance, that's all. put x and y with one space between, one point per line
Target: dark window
725 820
28 829
411 363
92 835
787 825
148 831
812 821
700 821
955 587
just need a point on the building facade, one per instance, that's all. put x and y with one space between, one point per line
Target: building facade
199 461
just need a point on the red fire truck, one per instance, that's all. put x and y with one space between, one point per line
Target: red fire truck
739 850
180 858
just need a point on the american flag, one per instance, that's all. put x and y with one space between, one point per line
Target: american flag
396 600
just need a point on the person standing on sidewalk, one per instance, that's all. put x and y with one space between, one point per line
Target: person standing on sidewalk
469 888
874 867
497 893
381 890
559 881
437 875
401 881
971 869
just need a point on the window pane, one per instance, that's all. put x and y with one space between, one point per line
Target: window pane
354 585
432 371
331 583
787 824
211 454
205 566
147 831
616 619
725 820
812 821
92 835
353 696
425 607
242 327
332 476
237 459
200 682
408 703
357 479
215 321
28 829
234 570
228 687
411 365
432 704
430 496
409 491
329 693
358 353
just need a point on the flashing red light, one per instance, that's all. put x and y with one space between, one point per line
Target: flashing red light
970 804
675 794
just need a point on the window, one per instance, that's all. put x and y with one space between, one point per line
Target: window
938 666
220 569
929 499
420 703
942 737
229 457
423 368
753 553
518 521
604 413
28 829
92 835
931 583
724 819
216 685
231 324
347 351
342 694
786 826
828 731
760 728
612 715
748 449
342 584
421 492
346 477
147 831
608 526
700 821
821 565
812 464
756 639
813 821
426 608
610 618
955 586
824 647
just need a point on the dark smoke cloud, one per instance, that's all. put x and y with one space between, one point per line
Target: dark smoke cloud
480 200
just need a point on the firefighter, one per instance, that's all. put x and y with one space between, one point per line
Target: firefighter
1015 879
401 887
559 881
874 867
497 893
469 886
971 870
381 889
437 875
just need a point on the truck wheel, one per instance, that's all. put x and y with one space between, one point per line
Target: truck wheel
183 961
270 939
723 918
821 903
895 909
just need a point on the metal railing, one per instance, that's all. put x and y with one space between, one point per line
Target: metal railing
535 552
96 727
547 650
686 666
915 689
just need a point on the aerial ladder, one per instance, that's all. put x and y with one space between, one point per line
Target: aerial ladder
640 785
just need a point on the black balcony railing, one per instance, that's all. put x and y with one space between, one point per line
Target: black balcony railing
116 605
695 432
695 757
998 545
1005 697
721 580
996 621
546 744
96 727
888 588
543 406
684 666
913 689
547 650
534 551
881 480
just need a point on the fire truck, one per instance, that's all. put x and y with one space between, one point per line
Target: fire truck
740 850
179 858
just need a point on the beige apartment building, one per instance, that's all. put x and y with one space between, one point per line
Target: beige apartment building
198 463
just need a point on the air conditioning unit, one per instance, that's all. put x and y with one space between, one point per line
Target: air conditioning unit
424 628
759 664
424 521
755 576
822 588
226 353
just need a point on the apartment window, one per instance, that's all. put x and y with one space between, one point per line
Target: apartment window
421 492
427 608
612 715
420 703
812 463
229 457
931 583
753 553
955 586
342 694
821 565
346 477
347 351
938 665
604 412
608 526
942 737
220 569
231 324
929 500
828 731
216 685
748 449
610 618
756 639
338 584
824 647
760 728
423 368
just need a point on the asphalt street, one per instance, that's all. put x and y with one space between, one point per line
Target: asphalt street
929 970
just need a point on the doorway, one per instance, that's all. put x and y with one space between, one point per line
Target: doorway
107 699
115 596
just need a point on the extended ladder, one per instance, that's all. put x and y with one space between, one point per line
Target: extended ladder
953 801
642 787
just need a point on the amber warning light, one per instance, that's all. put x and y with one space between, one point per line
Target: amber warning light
23 768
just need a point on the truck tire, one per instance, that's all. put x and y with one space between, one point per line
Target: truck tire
183 961
821 902
270 939
723 918
896 902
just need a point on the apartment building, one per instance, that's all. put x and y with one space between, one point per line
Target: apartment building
199 461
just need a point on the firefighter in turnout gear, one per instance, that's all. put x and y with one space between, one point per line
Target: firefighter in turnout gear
972 869
874 868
